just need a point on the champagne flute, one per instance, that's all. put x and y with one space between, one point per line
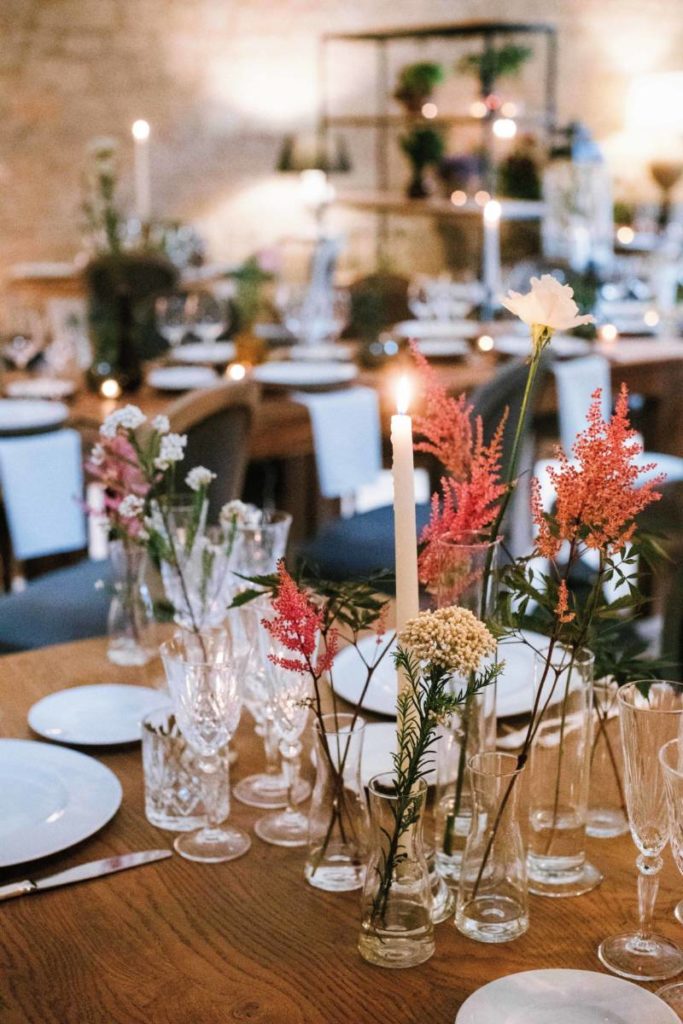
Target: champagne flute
650 714
204 678
671 762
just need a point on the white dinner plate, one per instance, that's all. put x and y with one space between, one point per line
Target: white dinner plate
50 799
320 353
217 353
514 688
100 715
561 996
444 348
305 375
562 347
181 378
419 329
40 387
28 415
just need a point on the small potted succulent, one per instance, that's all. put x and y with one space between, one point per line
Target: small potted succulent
416 83
424 147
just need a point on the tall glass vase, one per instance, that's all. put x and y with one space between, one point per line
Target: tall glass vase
492 895
338 815
396 924
559 773
606 801
130 623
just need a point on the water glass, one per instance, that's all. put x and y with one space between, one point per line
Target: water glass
671 762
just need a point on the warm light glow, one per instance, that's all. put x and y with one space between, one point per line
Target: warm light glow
402 395
315 188
236 371
140 130
429 110
492 212
509 109
458 198
608 332
625 234
651 318
481 197
485 343
504 128
478 109
654 102
110 388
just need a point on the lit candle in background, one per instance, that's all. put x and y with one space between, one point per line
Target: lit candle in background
110 388
405 528
143 186
491 254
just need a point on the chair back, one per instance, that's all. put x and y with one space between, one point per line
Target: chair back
218 423
576 380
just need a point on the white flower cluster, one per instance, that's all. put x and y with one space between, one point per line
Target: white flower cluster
97 455
128 418
131 507
199 477
451 638
240 514
161 424
172 450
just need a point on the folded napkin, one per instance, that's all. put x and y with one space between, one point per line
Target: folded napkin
346 438
42 490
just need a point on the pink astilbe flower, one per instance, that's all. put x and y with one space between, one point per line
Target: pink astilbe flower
598 493
446 425
296 626
465 507
114 463
562 607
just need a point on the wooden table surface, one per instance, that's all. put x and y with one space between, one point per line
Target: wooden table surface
250 941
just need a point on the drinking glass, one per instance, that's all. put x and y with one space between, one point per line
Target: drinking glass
204 677
671 762
259 547
650 714
171 318
206 316
288 696
316 315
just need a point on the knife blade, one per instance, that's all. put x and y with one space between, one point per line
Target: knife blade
84 872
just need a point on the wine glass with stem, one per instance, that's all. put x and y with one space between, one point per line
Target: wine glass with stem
204 677
171 318
289 694
671 763
206 315
650 714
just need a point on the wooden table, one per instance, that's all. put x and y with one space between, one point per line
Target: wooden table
250 941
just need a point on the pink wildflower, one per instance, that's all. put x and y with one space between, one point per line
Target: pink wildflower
296 626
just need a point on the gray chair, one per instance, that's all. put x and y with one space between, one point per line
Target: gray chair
66 605
364 543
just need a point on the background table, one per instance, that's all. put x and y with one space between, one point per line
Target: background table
249 941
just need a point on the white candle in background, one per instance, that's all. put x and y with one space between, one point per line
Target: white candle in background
491 253
143 185
405 528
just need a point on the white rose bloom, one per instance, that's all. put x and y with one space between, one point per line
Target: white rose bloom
199 477
548 304
131 507
172 450
161 424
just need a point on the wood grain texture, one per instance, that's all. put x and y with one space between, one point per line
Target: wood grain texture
249 941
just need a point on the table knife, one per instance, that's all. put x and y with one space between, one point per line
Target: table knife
84 872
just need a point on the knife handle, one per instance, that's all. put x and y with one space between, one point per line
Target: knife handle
7 892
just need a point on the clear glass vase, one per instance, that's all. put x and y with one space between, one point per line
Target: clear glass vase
338 816
396 925
606 801
130 623
493 896
559 773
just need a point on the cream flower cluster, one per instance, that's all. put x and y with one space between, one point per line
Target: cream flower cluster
237 512
548 304
161 424
128 418
172 449
131 507
199 477
451 638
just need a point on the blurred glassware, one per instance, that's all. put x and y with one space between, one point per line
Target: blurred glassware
650 714
671 762
24 335
204 676
312 315
172 318
440 298
260 545
606 802
206 316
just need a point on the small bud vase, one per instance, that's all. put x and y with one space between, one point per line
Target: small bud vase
130 622
396 925
606 801
338 823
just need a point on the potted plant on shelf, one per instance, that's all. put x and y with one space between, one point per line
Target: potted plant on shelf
492 64
424 147
416 83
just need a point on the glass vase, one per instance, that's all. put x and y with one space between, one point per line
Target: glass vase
130 622
559 773
493 896
606 801
396 925
338 815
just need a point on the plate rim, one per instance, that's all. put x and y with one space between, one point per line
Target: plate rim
65 742
335 372
57 750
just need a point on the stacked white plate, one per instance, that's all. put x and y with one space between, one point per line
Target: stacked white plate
216 353
29 416
305 376
331 352
40 387
419 329
564 347
181 378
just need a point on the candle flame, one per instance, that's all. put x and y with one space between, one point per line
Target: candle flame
140 130
492 212
403 391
